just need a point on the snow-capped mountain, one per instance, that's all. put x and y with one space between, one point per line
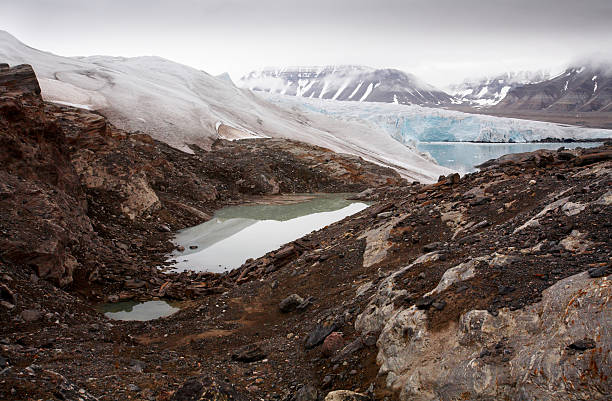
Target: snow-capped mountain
181 105
412 123
579 88
347 82
489 91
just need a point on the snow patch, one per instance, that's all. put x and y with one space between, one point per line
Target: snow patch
356 89
341 89
325 85
367 92
503 93
482 92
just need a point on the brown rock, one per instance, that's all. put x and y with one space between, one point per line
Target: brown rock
19 79
249 353
290 303
332 344
31 315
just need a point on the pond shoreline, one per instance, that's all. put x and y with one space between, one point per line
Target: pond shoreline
250 230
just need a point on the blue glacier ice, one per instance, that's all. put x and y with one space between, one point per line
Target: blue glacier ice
410 124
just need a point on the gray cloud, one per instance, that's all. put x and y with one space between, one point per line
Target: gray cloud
440 40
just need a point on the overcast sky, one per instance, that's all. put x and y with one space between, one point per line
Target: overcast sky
441 41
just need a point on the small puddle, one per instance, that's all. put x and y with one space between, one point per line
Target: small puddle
140 311
238 233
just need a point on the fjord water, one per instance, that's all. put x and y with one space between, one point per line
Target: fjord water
465 156
238 233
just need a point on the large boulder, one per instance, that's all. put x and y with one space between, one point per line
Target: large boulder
112 173
537 352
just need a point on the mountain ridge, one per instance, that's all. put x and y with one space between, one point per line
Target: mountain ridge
346 82
490 90
580 88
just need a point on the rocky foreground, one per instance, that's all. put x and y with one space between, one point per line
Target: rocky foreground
491 286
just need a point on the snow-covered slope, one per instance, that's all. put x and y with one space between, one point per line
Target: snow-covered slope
346 82
181 105
489 91
410 123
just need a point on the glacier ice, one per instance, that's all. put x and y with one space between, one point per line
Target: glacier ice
181 105
411 123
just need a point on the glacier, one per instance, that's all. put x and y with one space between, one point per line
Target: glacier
181 106
410 124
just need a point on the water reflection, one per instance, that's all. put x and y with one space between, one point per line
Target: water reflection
238 233
141 311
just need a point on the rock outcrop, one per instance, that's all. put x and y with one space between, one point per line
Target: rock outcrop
521 354
43 211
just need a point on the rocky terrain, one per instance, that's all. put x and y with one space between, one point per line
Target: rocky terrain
346 82
494 285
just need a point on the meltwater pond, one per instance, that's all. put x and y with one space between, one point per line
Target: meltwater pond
140 311
465 156
238 233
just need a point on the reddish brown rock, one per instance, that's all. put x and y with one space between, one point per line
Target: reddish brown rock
332 344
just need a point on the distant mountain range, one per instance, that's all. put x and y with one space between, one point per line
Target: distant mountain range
580 88
489 91
347 82
577 89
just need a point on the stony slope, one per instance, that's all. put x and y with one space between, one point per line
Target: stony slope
346 82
